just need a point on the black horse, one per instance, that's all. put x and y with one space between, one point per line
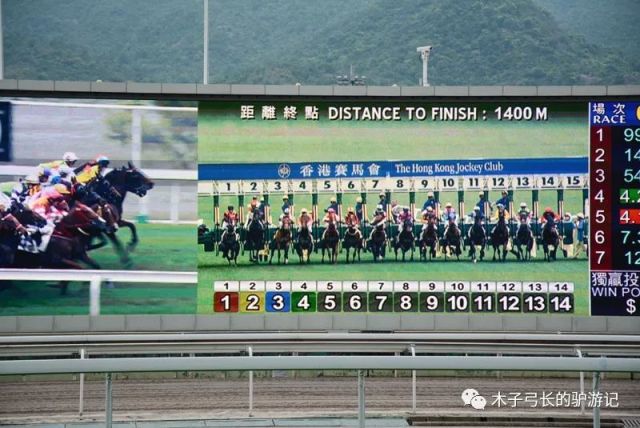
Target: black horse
451 241
353 239
254 240
550 240
406 241
113 188
477 238
428 241
230 244
329 242
524 237
500 238
304 244
377 243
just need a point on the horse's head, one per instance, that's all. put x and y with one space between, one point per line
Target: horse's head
407 225
132 178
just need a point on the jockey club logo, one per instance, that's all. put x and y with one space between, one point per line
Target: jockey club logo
284 170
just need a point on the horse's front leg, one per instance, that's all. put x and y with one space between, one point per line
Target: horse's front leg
131 245
120 250
286 254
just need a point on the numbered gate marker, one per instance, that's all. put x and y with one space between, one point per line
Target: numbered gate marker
227 187
523 182
353 185
301 186
327 186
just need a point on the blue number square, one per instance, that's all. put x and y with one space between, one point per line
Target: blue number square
278 301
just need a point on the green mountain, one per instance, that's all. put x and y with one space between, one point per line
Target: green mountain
516 42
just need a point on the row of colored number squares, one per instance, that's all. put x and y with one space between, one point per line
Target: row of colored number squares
376 302
397 286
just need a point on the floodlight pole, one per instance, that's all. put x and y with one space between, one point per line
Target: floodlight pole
424 54
205 74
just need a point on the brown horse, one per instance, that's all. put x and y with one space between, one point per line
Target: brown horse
10 232
281 242
329 242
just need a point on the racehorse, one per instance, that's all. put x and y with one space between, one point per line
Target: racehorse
406 240
230 244
524 236
122 180
377 244
451 241
477 238
500 238
353 239
281 242
68 241
329 242
304 244
254 240
428 240
112 218
10 233
550 238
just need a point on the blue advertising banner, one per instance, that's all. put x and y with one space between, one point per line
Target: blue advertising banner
399 168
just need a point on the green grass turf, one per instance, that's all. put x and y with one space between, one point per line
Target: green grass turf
161 247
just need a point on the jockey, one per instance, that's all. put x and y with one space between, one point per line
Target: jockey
359 209
480 203
396 210
379 218
68 159
449 214
524 216
405 215
44 175
51 204
568 227
549 216
501 211
478 216
331 216
230 217
285 219
333 204
262 206
26 189
92 170
428 216
286 205
504 200
383 201
305 220
352 219
430 202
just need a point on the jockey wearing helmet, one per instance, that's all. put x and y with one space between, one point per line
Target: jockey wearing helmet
430 202
333 204
68 159
405 215
286 205
352 219
92 171
285 219
480 203
449 215
305 220
504 200
379 219
230 217
396 210
548 216
51 203
477 215
331 216
524 217
26 189
383 201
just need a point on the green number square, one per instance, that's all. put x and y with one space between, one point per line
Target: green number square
329 302
303 302
405 302
354 302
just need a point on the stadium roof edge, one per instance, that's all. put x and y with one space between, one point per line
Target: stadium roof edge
193 89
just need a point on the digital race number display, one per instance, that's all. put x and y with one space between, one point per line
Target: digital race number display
615 207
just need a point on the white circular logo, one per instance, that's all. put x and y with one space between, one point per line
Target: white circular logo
284 170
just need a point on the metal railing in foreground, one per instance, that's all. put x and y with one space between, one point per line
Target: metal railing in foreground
97 277
359 363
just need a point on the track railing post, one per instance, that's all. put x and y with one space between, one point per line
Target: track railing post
361 399
582 402
250 352
81 403
108 408
414 400
94 295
